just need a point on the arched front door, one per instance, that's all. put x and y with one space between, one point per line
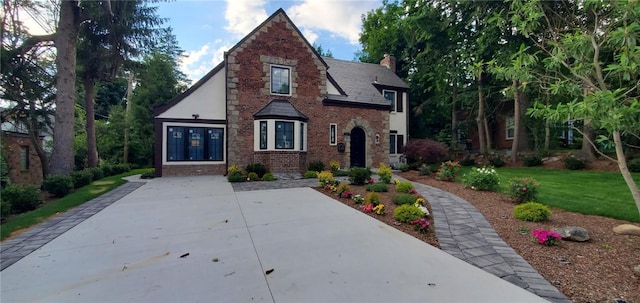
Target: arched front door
358 151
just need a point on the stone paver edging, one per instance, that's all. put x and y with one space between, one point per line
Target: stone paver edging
12 250
464 232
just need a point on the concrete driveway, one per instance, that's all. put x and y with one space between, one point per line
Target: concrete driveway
161 243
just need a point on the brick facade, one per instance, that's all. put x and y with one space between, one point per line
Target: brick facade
12 144
193 170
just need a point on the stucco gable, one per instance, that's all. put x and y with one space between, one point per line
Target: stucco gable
206 99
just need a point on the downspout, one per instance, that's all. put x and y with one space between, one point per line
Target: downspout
226 112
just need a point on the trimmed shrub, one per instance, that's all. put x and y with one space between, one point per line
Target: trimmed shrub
149 174
468 161
532 212
107 170
21 198
269 177
257 168
121 168
316 166
81 178
58 185
404 186
425 170
403 167
372 198
96 173
485 178
496 161
574 163
252 176
341 173
377 187
523 189
359 175
402 199
334 165
236 177
634 165
5 208
310 174
407 213
325 177
532 161
385 173
425 151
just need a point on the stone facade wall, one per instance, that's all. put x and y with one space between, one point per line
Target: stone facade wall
193 170
11 146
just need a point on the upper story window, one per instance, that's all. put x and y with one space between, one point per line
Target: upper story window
510 127
392 96
280 80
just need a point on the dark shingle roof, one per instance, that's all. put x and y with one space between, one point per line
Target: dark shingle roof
280 109
358 81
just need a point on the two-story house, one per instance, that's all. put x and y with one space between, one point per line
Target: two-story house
275 101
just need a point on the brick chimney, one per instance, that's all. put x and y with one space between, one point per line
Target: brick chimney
389 61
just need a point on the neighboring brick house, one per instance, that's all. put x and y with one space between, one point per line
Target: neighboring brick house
275 101
23 162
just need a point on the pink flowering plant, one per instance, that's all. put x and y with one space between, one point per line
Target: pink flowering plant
421 224
448 171
368 208
523 189
546 237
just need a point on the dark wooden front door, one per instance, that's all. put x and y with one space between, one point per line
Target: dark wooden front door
358 151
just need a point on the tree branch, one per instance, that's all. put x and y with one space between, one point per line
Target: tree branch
32 41
593 145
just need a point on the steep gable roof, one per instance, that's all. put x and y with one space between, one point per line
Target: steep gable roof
280 12
360 82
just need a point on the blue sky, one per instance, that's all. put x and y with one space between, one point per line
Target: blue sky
207 28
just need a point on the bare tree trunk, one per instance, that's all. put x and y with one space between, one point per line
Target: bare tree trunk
62 160
547 127
125 156
454 118
487 133
34 135
516 122
586 152
479 118
624 170
89 106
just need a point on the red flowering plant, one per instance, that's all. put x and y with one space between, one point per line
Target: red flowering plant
546 237
523 189
347 194
448 171
368 208
414 192
421 225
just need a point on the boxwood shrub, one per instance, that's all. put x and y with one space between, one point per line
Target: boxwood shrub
58 185
377 187
407 213
532 211
19 198
404 199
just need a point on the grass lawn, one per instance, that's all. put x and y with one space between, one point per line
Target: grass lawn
69 201
587 192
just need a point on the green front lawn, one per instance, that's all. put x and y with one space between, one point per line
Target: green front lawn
61 205
587 192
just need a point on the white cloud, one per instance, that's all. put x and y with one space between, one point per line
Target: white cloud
244 15
342 18
310 35
197 63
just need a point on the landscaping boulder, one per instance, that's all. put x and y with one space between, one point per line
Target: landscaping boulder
573 233
627 229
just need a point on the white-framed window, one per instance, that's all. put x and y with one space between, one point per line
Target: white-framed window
194 143
333 134
264 135
396 143
510 127
277 134
284 135
280 80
